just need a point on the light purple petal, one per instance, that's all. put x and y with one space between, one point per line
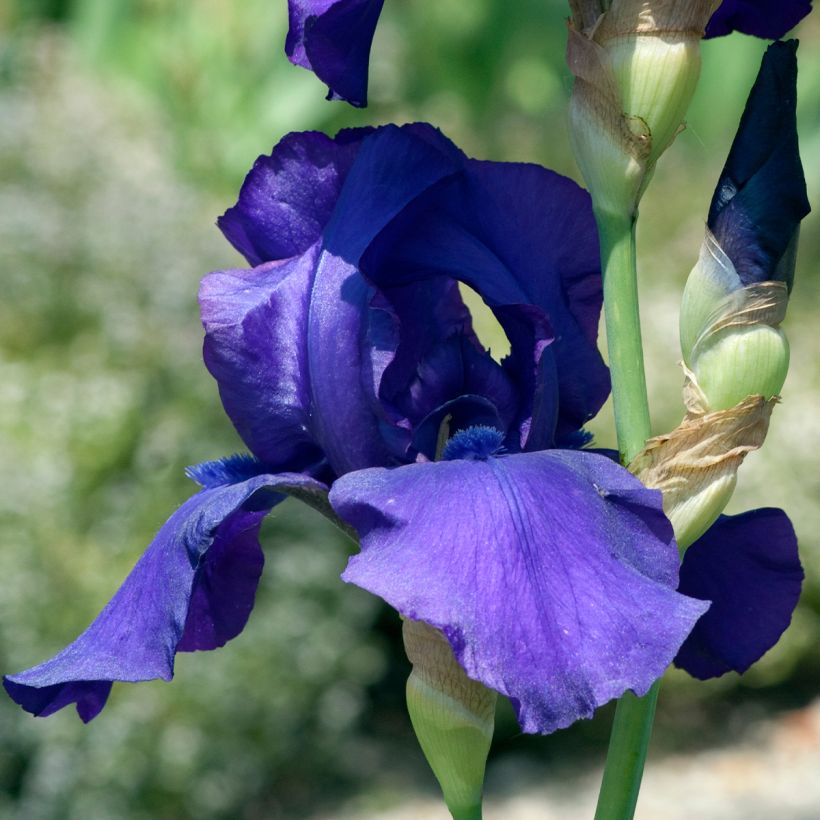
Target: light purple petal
749 568
193 588
769 19
333 39
256 349
552 573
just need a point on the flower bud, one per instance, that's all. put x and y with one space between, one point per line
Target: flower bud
730 335
737 294
735 355
452 715
636 66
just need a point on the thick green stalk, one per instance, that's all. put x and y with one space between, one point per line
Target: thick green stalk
625 758
623 333
632 727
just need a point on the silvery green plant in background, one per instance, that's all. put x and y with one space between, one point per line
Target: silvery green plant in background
524 561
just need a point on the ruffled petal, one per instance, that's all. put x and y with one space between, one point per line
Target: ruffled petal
748 566
285 340
761 196
333 38
193 588
519 235
287 198
769 19
552 574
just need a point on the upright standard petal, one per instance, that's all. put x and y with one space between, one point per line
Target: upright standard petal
552 574
749 568
332 38
519 235
286 341
761 196
287 197
769 19
393 168
193 588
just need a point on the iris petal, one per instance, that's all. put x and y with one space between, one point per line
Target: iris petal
256 349
748 567
761 196
333 39
769 19
287 198
552 574
519 235
193 588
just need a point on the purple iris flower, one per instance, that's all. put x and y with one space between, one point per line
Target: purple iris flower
332 38
345 357
341 356
769 19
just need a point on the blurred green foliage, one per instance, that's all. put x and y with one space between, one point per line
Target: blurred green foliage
127 126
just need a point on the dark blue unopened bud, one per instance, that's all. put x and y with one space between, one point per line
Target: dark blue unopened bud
736 295
761 196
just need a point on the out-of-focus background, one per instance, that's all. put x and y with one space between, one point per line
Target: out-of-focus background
126 127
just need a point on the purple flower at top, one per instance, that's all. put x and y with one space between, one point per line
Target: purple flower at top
332 38
345 357
769 19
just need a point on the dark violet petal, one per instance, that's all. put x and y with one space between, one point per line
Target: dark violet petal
761 196
769 19
193 588
288 197
224 590
424 354
394 166
519 235
344 418
256 349
551 573
90 697
283 343
333 39
748 567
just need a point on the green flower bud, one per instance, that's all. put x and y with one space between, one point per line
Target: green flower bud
741 362
636 65
730 335
452 716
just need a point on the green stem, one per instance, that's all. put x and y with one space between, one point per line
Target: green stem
632 727
623 333
625 758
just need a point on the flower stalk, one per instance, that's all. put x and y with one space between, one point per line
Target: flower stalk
623 333
632 727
